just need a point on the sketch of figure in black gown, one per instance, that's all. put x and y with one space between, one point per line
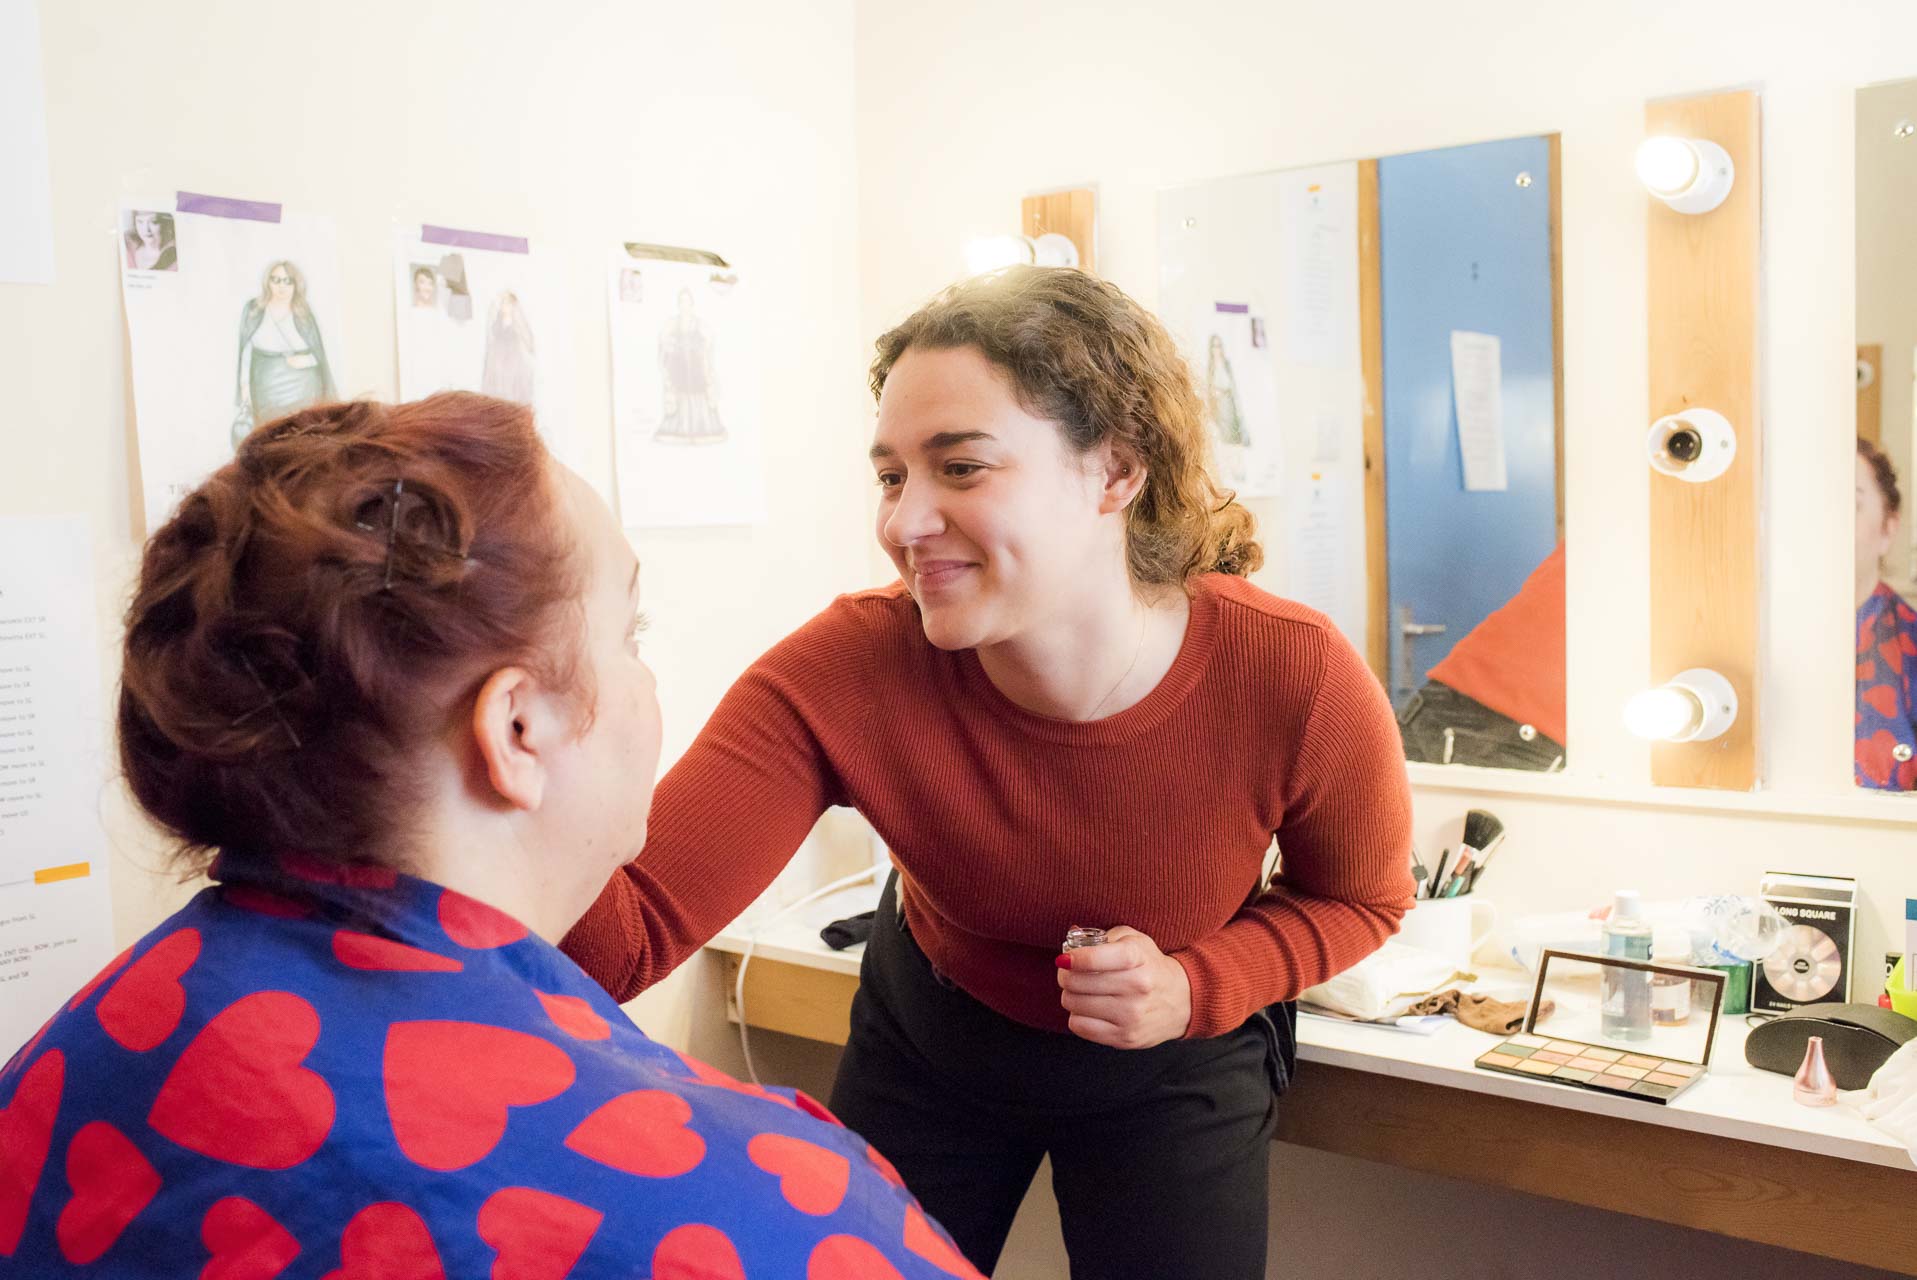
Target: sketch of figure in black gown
282 364
1221 396
690 413
509 370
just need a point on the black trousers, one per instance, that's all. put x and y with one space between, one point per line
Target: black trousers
1158 1155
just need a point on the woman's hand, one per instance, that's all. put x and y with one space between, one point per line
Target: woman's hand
1125 993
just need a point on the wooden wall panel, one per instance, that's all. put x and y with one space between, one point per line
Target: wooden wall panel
1870 400
1703 319
1070 213
1371 348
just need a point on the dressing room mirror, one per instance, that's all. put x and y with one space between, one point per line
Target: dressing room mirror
1378 345
1886 721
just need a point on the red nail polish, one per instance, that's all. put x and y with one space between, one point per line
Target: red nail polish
1064 960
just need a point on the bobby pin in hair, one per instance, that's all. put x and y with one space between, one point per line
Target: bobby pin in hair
392 538
272 704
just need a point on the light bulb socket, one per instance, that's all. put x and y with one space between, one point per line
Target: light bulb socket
1711 699
1710 183
1694 445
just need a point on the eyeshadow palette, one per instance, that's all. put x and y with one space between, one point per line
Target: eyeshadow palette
1633 1075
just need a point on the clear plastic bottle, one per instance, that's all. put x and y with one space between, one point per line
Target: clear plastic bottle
1625 994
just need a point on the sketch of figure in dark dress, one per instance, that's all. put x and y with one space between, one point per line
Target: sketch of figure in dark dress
1221 396
690 414
509 368
149 245
282 365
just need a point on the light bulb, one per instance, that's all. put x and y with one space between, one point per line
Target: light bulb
1663 715
1667 166
1693 706
1691 175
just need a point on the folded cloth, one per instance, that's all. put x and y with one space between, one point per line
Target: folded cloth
1380 987
1481 1012
1891 1101
848 932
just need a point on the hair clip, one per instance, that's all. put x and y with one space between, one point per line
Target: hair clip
392 531
271 704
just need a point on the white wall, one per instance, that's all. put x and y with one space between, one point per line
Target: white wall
1887 276
965 108
726 124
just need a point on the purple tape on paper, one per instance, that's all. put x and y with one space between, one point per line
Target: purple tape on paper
225 207
475 240
1232 308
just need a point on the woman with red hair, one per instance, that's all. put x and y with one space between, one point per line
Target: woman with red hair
382 683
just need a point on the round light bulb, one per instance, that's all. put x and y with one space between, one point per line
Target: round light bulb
989 253
1667 166
1663 714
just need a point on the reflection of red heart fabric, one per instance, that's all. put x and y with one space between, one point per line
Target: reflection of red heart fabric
1865 670
366 951
1904 641
475 925
1874 758
1893 655
238 1092
697 1252
26 1131
537 1236
814 1108
449 1086
812 1179
245 1241
643 1132
260 902
387 1241
143 1007
1880 698
884 1166
113 967
926 1240
111 1183
575 1017
848 1258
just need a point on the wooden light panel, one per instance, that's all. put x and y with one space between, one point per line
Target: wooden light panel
1371 357
1703 300
1870 400
1072 214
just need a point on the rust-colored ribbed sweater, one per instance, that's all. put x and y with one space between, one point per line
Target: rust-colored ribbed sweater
1008 827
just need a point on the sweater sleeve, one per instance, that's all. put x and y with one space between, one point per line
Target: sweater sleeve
729 815
1344 846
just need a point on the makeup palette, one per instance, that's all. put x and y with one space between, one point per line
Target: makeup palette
1586 998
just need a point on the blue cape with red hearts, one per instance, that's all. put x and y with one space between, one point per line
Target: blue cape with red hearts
1886 692
352 1074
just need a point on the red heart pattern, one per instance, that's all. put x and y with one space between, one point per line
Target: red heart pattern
450 1085
884 1166
706 1073
926 1240
697 1252
112 1182
1882 699
575 1017
145 1005
113 967
350 875
26 1132
537 1236
812 1179
848 1258
387 1241
643 1133
247 1242
368 951
261 902
476 926
238 1092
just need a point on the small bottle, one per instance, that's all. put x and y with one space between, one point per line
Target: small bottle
1670 995
1814 1085
1625 994
1079 936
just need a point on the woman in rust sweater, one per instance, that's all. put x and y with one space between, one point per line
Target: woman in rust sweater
1072 709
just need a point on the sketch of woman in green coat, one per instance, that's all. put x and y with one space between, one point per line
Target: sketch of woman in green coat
282 365
1221 396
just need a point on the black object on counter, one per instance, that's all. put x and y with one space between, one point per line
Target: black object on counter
853 930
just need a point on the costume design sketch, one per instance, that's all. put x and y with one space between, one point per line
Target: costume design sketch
1221 395
689 413
508 371
282 366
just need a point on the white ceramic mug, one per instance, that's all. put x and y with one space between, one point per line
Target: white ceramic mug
1451 927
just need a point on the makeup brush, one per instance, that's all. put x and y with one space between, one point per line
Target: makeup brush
1483 833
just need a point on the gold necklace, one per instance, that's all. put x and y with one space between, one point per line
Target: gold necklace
1142 620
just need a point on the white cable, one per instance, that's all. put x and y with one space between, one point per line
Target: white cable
752 940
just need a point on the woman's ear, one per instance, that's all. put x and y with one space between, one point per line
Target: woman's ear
1124 478
509 732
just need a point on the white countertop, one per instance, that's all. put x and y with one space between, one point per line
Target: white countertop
1735 1100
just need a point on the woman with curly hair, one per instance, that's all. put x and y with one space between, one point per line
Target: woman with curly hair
1071 709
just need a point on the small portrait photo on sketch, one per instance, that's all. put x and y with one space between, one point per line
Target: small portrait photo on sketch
147 240
425 286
